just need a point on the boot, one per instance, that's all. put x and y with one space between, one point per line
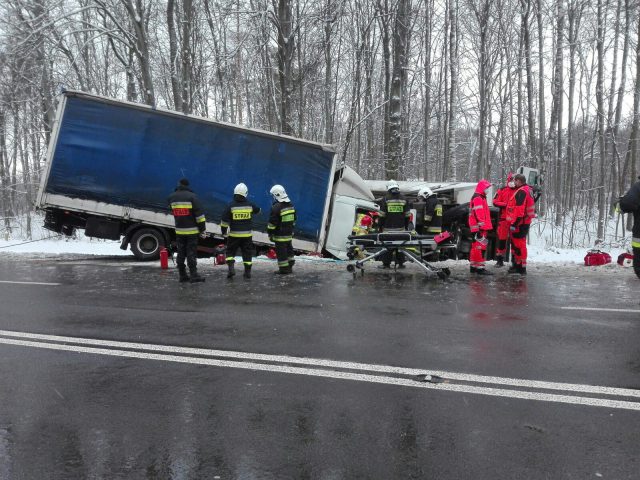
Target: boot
284 271
514 269
473 270
483 271
182 271
195 277
499 261
247 271
292 262
522 270
232 270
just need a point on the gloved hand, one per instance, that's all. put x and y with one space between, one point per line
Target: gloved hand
413 232
204 234
479 236
513 228
617 207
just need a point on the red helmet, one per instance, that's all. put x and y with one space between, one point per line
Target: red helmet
366 221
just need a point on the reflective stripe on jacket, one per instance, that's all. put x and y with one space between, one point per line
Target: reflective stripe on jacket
394 212
238 217
479 214
521 207
186 210
281 222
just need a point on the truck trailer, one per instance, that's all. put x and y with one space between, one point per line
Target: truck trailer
111 165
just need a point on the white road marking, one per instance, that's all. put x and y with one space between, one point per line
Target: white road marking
515 382
344 375
595 309
29 283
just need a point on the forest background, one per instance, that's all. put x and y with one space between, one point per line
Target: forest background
405 89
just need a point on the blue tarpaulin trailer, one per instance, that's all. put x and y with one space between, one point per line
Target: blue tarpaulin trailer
112 164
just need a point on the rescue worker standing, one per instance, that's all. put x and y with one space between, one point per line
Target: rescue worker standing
428 212
630 203
480 224
394 217
500 200
189 223
280 228
237 220
521 209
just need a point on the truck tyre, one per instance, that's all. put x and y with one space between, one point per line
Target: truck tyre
146 244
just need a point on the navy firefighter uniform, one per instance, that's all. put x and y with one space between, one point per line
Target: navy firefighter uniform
280 228
190 221
237 223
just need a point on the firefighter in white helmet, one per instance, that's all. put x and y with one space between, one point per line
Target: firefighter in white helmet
237 221
280 228
429 212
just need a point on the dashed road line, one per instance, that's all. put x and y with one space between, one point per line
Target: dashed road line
29 283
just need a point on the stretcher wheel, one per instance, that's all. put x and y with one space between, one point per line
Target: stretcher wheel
351 268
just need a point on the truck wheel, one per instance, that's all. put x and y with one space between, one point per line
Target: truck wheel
146 244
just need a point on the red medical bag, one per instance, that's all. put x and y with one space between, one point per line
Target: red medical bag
596 257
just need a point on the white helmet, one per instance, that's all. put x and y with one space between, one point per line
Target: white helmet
279 193
392 185
425 192
241 189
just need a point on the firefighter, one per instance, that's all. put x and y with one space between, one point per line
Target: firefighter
429 219
394 217
480 224
236 218
521 209
363 224
500 200
630 203
280 228
189 223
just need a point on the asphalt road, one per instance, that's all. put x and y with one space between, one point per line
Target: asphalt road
112 369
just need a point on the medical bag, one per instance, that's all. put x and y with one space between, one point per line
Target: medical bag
596 257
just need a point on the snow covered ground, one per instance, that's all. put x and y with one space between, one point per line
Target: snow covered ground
542 259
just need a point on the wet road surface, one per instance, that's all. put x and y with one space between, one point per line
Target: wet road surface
111 369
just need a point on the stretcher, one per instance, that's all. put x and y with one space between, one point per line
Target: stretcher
416 249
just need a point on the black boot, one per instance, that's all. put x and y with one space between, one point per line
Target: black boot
483 271
473 270
514 269
183 274
292 262
284 270
195 277
499 261
247 271
522 270
232 270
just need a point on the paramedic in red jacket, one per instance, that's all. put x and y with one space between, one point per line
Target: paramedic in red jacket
480 224
521 210
500 200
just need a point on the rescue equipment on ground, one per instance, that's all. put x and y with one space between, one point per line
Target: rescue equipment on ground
164 258
596 257
625 259
220 255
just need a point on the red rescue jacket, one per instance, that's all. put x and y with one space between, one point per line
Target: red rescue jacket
479 214
521 207
502 196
